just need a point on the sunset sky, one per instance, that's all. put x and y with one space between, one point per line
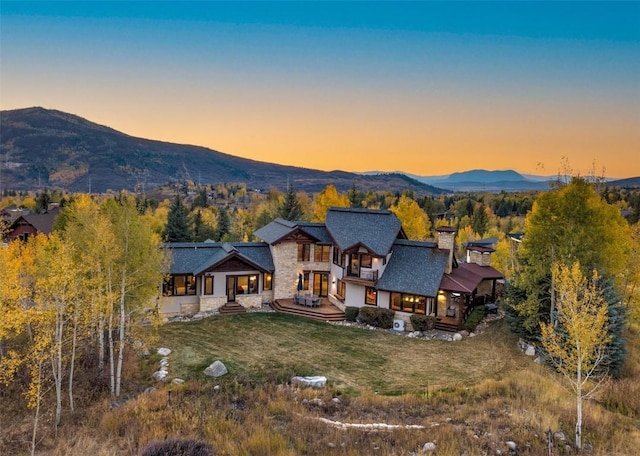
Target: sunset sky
426 88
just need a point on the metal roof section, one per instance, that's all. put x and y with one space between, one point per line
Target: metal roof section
467 276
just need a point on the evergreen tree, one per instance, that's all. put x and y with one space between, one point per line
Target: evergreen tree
291 209
264 218
177 229
201 230
224 224
479 220
42 202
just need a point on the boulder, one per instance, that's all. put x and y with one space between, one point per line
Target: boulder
164 351
464 333
539 360
160 376
216 369
456 337
315 382
530 351
177 381
429 446
511 445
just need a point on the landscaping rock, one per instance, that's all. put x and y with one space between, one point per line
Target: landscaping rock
464 333
457 337
164 351
160 376
511 445
560 436
315 382
216 369
216 388
429 446
149 390
530 351
177 381
539 360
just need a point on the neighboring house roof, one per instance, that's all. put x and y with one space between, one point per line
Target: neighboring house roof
42 223
467 276
280 229
196 257
375 230
487 242
480 248
414 267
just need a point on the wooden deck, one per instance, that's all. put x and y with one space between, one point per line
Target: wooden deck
324 312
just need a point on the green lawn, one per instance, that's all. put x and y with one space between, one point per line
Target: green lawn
270 346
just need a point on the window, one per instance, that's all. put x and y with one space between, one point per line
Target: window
304 252
365 261
179 285
412 303
338 257
321 253
267 281
371 296
305 280
208 285
341 288
247 284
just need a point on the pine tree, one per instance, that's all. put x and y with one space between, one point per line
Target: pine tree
224 224
290 209
177 229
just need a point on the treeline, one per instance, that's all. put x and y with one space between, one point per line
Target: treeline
74 298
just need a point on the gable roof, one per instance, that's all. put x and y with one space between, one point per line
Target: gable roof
467 276
376 230
43 223
196 257
414 267
280 229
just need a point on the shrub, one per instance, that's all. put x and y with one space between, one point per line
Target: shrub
422 322
380 318
475 317
351 313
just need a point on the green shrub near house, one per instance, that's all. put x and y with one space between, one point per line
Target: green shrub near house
380 318
422 322
351 313
475 317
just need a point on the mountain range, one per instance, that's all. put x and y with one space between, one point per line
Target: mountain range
45 148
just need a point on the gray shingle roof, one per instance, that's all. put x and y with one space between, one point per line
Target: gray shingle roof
414 267
374 229
196 257
280 228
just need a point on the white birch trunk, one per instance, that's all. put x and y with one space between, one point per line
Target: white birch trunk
72 363
579 402
121 335
112 377
37 415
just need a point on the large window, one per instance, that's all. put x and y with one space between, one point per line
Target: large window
208 285
179 285
267 281
365 261
341 289
371 296
304 252
321 253
247 284
305 280
412 303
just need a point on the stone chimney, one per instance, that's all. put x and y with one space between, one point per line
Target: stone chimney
446 236
479 255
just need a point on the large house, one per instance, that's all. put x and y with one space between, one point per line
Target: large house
357 258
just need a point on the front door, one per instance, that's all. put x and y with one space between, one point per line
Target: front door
321 284
231 288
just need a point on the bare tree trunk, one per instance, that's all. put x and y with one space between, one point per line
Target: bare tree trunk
122 328
72 363
57 370
579 403
101 341
112 374
37 415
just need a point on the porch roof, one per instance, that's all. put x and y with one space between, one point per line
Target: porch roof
414 267
467 276
196 257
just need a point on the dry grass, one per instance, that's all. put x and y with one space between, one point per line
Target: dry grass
482 393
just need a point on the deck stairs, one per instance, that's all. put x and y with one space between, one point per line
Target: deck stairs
325 312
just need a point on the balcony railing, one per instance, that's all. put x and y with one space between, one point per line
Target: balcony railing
371 276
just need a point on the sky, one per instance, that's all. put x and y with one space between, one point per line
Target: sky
427 88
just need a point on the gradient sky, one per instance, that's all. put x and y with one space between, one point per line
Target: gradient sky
426 88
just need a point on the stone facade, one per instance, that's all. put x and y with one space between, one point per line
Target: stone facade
480 258
446 238
285 261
